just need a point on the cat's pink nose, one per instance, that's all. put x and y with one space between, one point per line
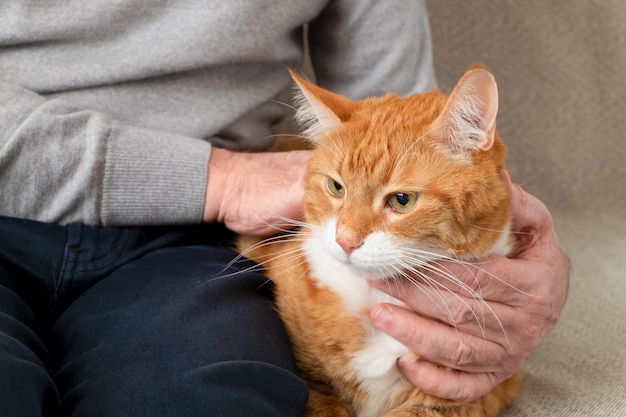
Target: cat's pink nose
348 244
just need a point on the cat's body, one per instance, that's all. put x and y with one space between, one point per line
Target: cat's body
394 184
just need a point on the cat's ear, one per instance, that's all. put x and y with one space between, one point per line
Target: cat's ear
318 110
468 121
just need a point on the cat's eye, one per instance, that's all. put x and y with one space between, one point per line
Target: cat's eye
335 188
402 202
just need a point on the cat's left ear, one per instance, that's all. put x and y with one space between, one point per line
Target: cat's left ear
468 122
318 110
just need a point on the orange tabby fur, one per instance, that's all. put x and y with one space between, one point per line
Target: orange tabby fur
445 151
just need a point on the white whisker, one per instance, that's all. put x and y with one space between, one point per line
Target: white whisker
285 135
415 260
282 103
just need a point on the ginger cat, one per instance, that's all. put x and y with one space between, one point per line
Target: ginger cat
394 183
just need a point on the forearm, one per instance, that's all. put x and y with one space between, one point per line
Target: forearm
61 164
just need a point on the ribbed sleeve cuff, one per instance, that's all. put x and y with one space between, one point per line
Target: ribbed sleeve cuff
153 178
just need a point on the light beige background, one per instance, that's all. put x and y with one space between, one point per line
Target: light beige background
561 72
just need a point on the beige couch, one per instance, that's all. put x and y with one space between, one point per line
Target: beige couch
561 70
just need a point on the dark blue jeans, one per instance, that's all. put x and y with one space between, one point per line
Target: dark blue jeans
137 322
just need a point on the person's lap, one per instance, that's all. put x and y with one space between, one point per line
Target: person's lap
155 327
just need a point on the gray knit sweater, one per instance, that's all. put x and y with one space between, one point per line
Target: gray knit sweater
109 108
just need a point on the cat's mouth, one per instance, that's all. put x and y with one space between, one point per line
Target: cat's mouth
380 256
361 261
370 266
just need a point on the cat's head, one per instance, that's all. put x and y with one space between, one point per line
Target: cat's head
397 181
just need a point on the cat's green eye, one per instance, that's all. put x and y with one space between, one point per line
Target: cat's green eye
335 188
402 202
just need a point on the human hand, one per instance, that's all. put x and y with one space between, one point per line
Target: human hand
466 346
253 193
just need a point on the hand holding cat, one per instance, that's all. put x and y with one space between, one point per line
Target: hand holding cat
254 193
468 345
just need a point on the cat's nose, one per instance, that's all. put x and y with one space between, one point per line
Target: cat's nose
348 244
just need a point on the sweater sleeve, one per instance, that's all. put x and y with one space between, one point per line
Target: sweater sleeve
363 48
60 163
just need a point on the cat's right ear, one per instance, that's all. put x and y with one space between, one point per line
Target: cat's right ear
319 111
468 122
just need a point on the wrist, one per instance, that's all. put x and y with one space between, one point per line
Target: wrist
219 167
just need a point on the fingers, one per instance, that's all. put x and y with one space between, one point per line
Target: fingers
439 343
491 278
546 264
456 312
448 383
451 364
484 309
527 210
531 223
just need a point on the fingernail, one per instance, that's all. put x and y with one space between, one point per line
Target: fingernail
408 358
373 283
382 315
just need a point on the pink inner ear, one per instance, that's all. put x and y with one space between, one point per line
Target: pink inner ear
318 110
484 84
469 119
324 116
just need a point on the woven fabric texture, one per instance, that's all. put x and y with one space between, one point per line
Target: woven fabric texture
561 72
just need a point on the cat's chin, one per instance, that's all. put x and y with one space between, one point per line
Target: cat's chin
368 273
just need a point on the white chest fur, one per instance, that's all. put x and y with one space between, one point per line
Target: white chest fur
375 364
